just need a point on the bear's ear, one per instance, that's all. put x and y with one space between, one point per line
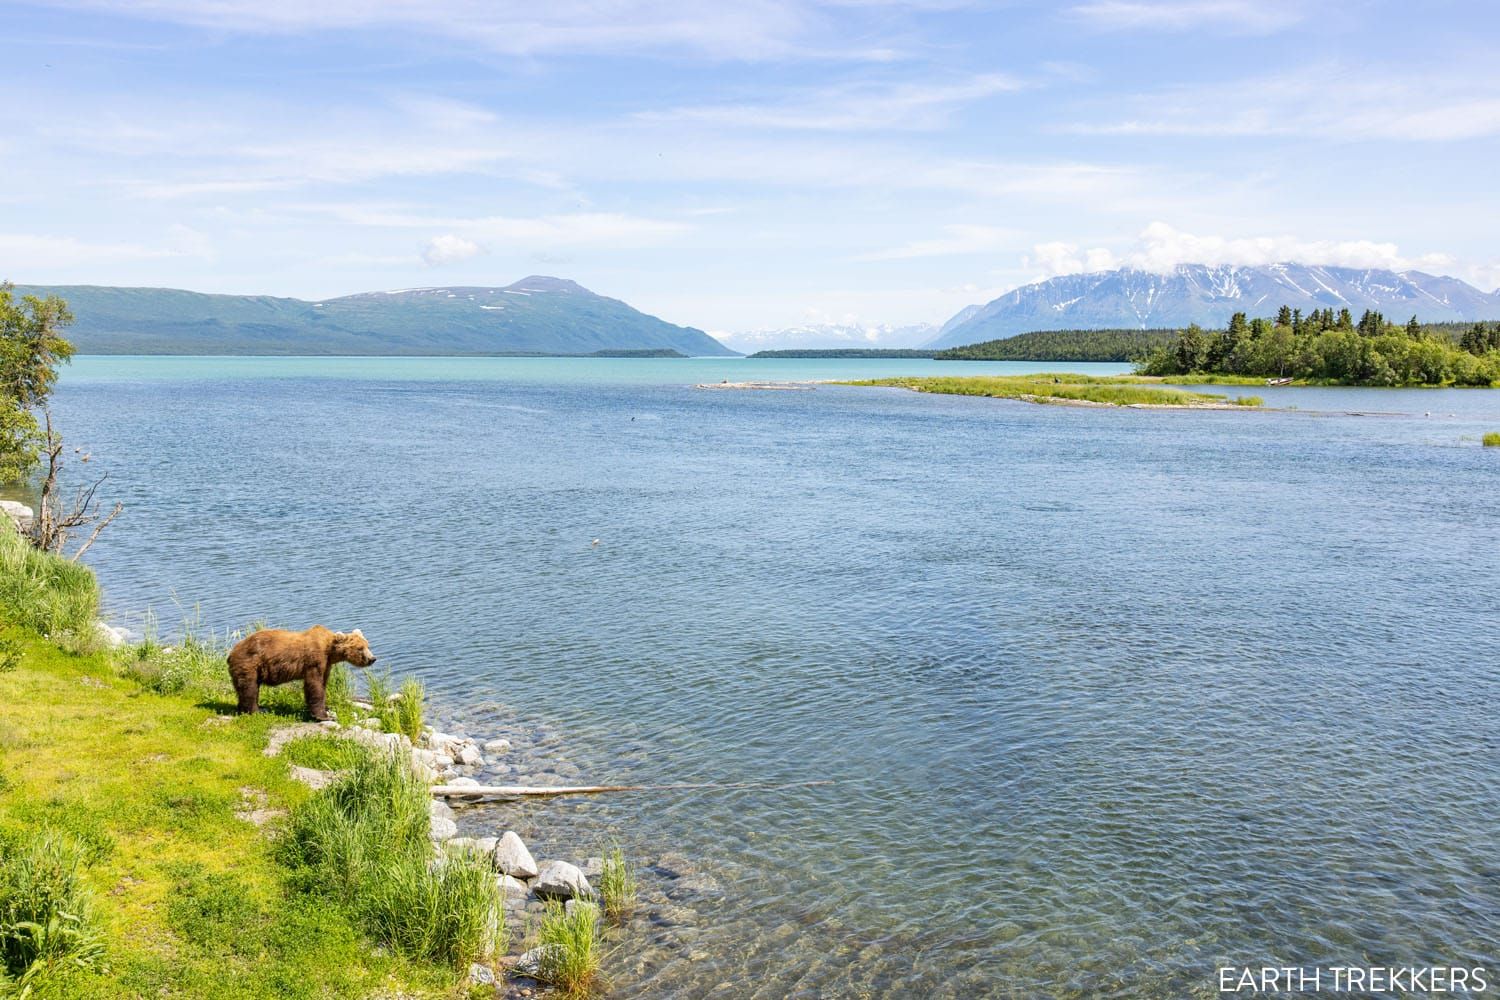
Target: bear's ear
357 634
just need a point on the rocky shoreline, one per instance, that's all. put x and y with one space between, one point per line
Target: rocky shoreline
664 921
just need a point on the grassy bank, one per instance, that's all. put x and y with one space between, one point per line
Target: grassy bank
131 864
1064 388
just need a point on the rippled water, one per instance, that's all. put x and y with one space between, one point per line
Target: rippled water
1110 698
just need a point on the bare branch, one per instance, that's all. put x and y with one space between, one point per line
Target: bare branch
103 523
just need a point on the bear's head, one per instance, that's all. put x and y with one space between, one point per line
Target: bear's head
351 648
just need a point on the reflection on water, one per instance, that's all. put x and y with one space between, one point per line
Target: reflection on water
1110 698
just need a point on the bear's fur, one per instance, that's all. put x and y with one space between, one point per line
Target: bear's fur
274 656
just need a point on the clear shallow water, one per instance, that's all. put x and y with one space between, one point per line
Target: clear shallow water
1111 697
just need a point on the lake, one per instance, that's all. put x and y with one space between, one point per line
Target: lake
1109 698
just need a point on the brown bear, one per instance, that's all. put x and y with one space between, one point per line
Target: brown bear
274 656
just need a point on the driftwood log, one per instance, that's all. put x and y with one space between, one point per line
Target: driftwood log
536 791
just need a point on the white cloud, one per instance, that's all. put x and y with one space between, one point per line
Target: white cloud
956 240
854 107
1248 16
1060 257
449 249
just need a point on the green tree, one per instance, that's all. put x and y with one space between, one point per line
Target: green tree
31 348
1284 316
1413 328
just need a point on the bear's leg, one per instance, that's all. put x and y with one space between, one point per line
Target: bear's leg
248 688
317 702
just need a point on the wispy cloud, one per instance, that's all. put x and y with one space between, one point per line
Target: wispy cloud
955 240
853 107
745 30
579 229
1240 16
36 250
1325 100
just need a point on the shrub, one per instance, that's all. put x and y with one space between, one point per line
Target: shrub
46 922
1492 439
46 593
617 886
1248 401
569 939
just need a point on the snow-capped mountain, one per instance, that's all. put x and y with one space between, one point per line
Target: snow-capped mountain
814 336
1208 295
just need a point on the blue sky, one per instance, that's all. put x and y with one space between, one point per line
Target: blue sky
741 165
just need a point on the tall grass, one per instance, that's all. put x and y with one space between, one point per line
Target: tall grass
340 694
47 593
363 843
1492 439
398 711
569 942
195 660
617 886
47 924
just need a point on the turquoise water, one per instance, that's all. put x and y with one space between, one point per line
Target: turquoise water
1110 698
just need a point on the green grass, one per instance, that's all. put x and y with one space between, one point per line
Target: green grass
326 753
1492 439
570 943
48 595
1248 401
617 886
1059 388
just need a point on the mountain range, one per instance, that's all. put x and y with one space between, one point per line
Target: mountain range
536 315
1208 295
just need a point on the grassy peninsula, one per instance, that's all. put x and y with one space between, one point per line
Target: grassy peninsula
1067 389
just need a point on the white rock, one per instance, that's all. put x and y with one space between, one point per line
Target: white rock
112 637
481 975
468 756
530 962
442 828
513 858
560 880
442 761
496 746
592 868
476 845
511 887
312 777
462 781
19 514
